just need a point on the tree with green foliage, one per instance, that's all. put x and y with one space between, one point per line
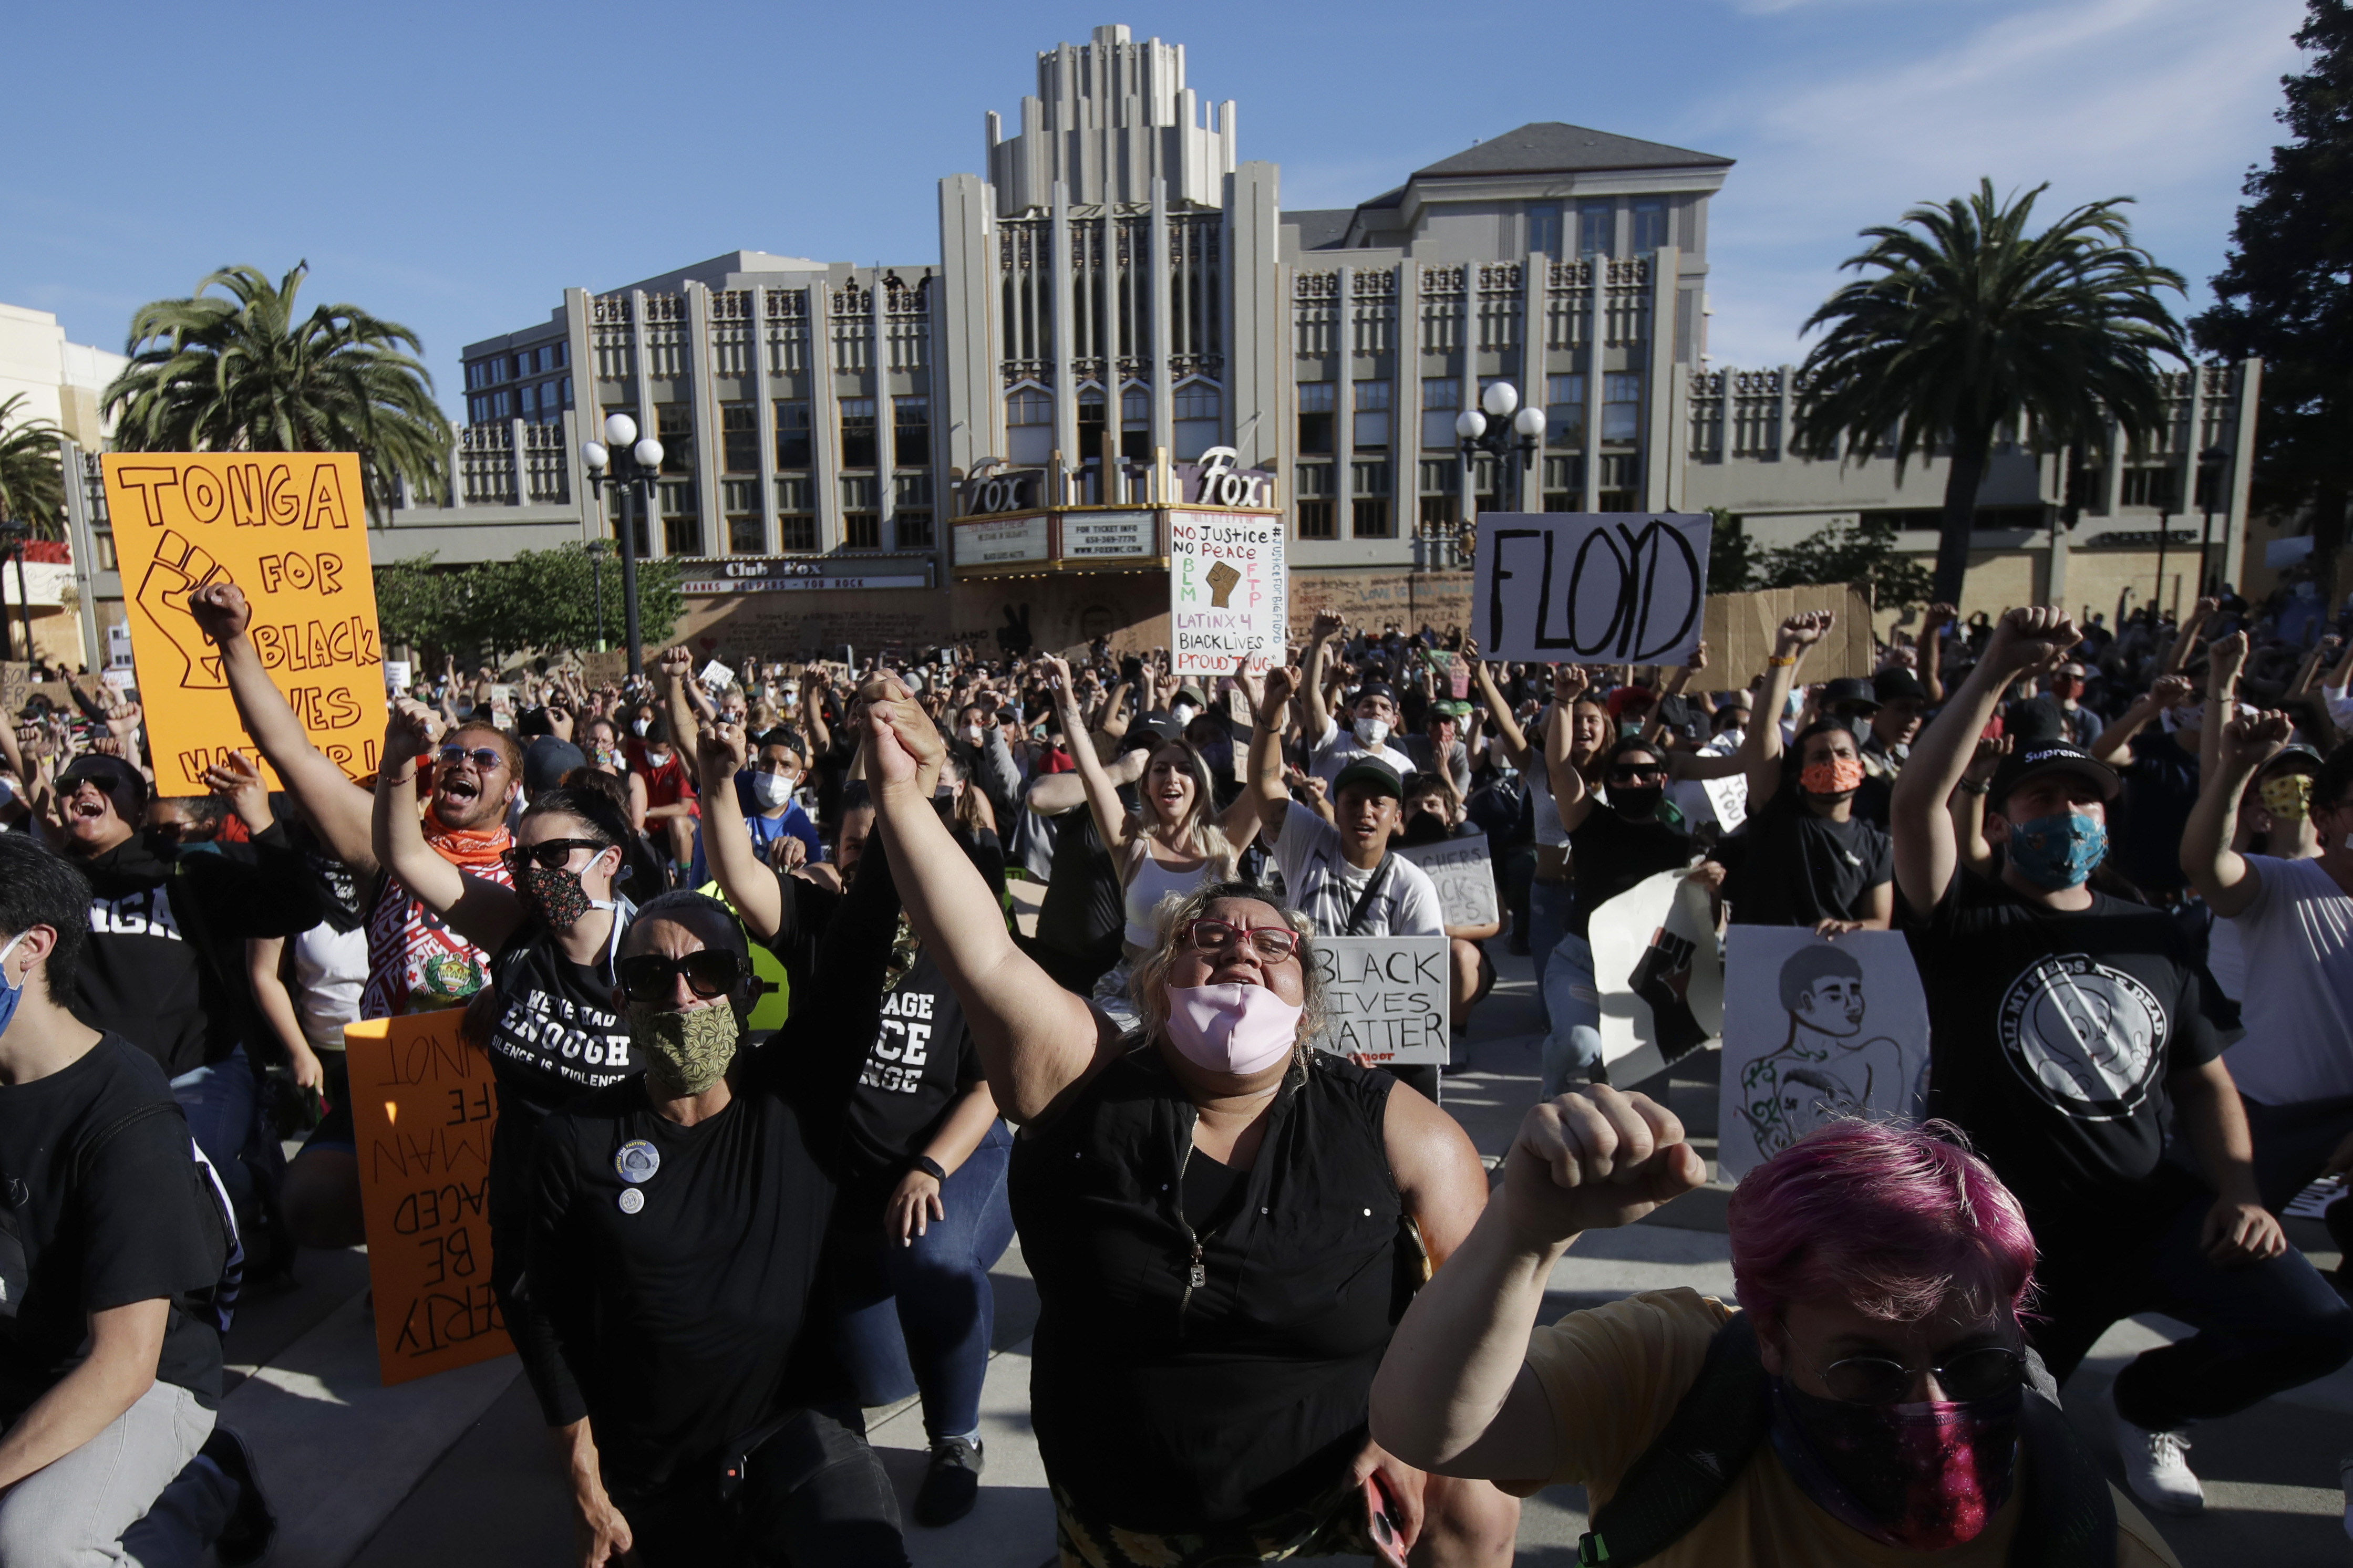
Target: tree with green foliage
32 475
2286 290
1862 552
543 600
235 372
1965 323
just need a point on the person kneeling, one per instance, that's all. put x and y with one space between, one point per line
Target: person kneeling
679 1219
1873 1392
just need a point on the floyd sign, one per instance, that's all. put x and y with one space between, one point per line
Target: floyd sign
423 1110
1590 587
289 528
1384 997
1226 591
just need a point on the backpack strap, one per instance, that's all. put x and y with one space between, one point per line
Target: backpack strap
1678 1480
1373 884
2069 1515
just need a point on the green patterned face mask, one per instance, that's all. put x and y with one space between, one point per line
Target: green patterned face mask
688 1051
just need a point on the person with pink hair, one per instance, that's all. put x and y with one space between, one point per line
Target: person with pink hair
1870 1400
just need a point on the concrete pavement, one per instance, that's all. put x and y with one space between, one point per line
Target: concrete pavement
454 1470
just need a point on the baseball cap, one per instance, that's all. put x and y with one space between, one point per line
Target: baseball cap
1191 694
2034 758
546 762
1627 697
2296 757
1897 686
1370 774
1374 688
106 773
1848 689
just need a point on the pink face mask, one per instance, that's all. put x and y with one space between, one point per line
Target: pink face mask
1236 1029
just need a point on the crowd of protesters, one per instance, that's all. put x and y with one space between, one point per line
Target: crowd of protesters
781 1076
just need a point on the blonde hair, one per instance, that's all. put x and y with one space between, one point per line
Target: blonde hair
1200 820
1147 983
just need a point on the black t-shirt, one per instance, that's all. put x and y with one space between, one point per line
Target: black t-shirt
674 1326
1791 868
2147 824
921 1059
116 1225
1608 854
1083 909
556 1033
2052 1036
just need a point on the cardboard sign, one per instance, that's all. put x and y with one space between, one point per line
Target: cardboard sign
1565 587
1465 875
1227 591
1660 970
1385 997
1728 798
1828 1028
289 528
1740 629
605 668
15 685
423 1108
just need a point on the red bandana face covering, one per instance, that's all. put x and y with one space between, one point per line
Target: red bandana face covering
1836 776
1921 1478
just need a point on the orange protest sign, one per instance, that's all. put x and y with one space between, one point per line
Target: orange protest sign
289 528
423 1108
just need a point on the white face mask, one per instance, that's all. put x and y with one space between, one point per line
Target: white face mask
1183 712
1371 732
639 726
771 790
972 733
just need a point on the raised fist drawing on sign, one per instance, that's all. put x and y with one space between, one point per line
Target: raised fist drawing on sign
178 569
1222 578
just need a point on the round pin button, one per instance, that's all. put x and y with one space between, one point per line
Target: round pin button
632 1200
637 1161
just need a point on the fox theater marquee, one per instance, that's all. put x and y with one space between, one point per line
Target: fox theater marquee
1032 559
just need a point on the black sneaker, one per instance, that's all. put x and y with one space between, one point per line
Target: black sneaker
251 1526
953 1485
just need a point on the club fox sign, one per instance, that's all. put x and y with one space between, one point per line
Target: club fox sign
286 527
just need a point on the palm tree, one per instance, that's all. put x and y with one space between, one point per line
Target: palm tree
32 480
241 374
1969 323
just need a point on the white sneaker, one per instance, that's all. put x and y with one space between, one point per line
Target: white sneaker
2157 1467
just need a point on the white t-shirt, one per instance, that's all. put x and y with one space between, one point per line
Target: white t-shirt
1337 748
330 968
1321 885
2297 996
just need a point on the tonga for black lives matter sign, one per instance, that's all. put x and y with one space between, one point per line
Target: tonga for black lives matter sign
1590 587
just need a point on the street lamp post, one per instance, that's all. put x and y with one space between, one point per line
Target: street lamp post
596 548
2210 463
2164 533
1508 431
633 465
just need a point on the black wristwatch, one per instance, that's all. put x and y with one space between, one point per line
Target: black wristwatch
930 1167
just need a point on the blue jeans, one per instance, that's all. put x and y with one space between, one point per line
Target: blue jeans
1550 905
2262 1327
217 1099
1574 1004
919 1318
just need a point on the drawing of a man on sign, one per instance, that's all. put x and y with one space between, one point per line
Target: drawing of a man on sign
1590 587
1822 1055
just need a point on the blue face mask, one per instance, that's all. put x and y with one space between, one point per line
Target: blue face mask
10 993
2056 852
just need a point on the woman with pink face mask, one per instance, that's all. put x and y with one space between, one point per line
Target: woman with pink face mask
1225 1224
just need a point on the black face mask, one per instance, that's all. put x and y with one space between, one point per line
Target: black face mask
1426 827
1636 804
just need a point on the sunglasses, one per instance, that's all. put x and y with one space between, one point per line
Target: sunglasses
484 758
1980 1373
651 978
1273 943
1636 771
549 853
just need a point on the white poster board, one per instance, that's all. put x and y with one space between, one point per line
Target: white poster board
397 674
1465 873
1728 798
1227 591
1660 971
1827 1026
1385 997
1567 587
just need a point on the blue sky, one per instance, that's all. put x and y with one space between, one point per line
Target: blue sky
453 167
